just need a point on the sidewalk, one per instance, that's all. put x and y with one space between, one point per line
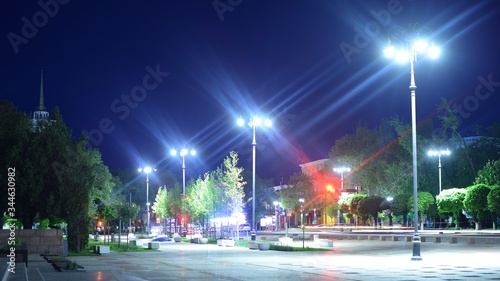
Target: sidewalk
349 260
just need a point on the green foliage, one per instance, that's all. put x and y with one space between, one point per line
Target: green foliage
299 186
57 176
233 183
400 205
160 206
493 199
332 209
201 198
451 201
490 174
476 200
44 224
371 206
494 203
425 202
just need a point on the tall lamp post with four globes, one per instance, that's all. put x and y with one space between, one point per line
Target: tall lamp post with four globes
147 170
254 122
183 152
404 47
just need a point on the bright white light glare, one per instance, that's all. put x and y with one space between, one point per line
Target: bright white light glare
402 56
438 152
342 169
421 46
240 122
433 52
257 121
147 170
183 152
389 52
268 123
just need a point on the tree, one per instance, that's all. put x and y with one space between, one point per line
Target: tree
490 174
450 121
332 209
161 205
201 197
371 206
299 186
400 206
425 200
355 203
451 201
232 179
475 201
176 203
494 203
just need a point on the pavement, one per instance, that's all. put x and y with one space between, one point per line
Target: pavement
347 260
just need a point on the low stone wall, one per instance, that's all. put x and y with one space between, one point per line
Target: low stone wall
37 241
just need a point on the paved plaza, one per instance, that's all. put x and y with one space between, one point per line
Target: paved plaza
348 260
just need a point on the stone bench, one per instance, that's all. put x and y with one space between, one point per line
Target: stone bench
324 243
154 245
103 249
286 241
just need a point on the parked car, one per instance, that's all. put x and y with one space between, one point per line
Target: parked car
161 238
244 227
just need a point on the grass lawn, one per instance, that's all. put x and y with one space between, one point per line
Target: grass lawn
113 246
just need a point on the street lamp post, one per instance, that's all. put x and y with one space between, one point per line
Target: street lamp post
147 170
302 200
254 123
276 204
410 47
183 152
341 170
329 188
439 153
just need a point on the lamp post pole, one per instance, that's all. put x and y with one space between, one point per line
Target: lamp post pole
147 170
411 46
183 152
341 170
254 144
439 154
254 122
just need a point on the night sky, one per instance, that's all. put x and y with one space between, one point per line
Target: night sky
142 77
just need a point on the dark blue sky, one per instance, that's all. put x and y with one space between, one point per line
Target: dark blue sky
163 74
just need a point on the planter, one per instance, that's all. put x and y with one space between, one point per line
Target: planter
252 245
264 246
203 240
154 245
177 239
61 264
220 242
229 243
